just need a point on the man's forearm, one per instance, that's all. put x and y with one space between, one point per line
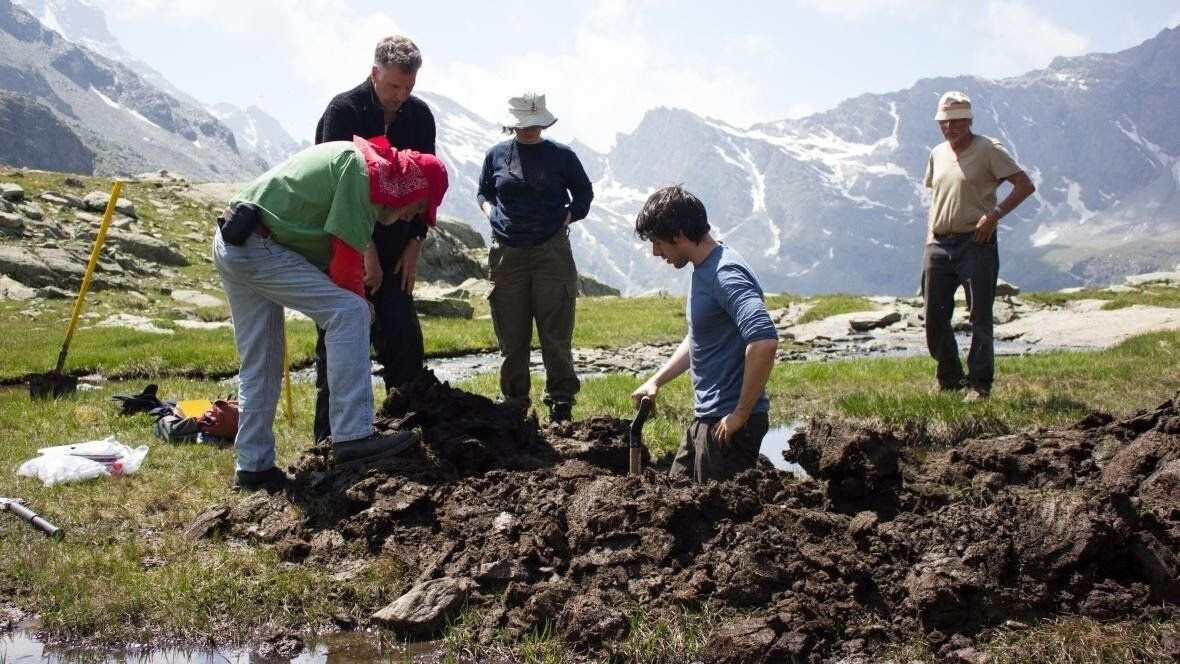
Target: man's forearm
676 365
758 365
1022 188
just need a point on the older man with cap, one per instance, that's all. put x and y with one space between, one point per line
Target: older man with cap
963 173
531 189
293 238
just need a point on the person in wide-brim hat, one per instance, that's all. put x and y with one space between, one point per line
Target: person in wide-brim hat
531 189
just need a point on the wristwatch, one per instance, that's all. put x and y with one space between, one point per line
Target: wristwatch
999 212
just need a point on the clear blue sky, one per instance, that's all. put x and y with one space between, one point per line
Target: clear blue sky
603 63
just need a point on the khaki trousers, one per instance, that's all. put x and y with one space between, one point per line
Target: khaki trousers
535 284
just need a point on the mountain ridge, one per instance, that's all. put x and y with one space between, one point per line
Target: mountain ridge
834 201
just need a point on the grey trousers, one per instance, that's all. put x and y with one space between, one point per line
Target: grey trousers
701 457
535 284
948 263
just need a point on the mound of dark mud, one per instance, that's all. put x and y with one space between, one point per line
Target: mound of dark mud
536 525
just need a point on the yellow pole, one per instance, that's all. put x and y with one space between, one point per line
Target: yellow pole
287 374
102 234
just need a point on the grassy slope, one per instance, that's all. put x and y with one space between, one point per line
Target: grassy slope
125 574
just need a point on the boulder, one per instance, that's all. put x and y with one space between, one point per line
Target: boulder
11 220
97 201
443 307
446 258
426 607
11 289
11 192
464 234
66 200
871 320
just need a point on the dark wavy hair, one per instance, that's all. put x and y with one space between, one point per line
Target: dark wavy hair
669 211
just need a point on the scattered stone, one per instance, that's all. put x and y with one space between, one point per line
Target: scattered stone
865 321
197 298
443 307
66 200
31 210
202 324
11 289
134 322
10 220
1005 289
98 201
12 192
426 607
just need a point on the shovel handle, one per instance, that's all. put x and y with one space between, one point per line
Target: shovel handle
644 411
635 440
18 508
98 240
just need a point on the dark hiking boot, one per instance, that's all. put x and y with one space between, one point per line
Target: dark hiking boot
946 388
518 406
271 479
976 394
561 413
373 445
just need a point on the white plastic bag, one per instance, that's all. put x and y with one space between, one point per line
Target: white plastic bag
55 468
81 462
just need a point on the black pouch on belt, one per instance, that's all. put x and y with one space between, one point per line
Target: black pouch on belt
238 221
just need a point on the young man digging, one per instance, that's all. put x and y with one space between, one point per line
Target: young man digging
730 343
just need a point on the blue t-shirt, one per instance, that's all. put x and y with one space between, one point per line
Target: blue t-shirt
725 313
531 188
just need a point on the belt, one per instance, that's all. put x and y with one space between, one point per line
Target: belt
952 236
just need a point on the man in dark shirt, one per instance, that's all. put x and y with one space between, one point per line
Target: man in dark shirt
383 105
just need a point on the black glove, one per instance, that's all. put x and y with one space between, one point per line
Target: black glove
144 402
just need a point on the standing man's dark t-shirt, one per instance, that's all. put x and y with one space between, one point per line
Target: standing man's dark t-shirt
396 336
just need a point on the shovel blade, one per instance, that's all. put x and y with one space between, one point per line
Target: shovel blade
51 385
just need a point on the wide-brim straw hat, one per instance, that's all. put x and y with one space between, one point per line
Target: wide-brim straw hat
528 110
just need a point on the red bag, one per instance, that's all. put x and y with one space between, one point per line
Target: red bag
221 419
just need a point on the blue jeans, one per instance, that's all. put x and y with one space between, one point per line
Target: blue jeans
948 263
260 278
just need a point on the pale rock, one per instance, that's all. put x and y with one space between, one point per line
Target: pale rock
426 607
197 298
11 192
98 201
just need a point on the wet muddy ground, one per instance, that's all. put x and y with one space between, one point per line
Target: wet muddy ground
528 524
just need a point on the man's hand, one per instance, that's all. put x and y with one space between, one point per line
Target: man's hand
985 228
568 220
407 265
727 426
648 389
373 272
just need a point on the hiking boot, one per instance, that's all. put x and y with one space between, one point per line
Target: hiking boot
946 388
976 394
561 413
373 445
272 479
516 404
